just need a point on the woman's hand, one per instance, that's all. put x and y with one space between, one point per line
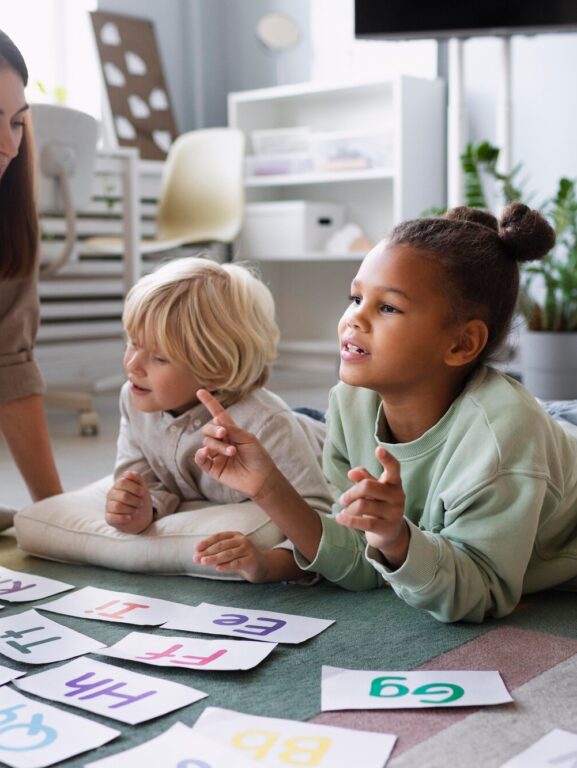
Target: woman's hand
376 506
129 504
231 455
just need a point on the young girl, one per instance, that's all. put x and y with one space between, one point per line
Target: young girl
194 323
455 486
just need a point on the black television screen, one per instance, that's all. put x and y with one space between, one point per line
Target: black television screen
401 19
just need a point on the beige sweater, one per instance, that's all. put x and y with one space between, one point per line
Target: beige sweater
19 317
161 448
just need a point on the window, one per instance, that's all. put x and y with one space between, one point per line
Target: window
56 40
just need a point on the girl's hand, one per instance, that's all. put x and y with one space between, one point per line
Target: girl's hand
377 507
129 504
231 455
232 551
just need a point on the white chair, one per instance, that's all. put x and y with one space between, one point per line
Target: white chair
201 198
66 152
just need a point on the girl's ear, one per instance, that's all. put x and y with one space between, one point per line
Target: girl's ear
468 344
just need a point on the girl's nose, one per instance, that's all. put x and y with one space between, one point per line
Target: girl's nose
133 361
356 317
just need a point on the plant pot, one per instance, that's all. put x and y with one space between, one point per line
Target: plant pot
549 364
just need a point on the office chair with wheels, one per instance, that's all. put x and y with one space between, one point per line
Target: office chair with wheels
201 197
65 141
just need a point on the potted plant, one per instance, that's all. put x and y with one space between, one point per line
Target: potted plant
548 296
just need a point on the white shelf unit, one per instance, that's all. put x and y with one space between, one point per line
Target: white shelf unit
311 289
80 342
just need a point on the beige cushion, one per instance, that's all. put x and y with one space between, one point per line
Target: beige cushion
71 528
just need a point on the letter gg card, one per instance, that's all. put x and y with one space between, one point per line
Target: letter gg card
107 605
248 623
18 587
34 735
109 690
34 639
357 689
276 742
189 652
557 748
186 750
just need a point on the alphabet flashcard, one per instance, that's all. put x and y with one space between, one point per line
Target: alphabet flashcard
557 748
107 605
19 587
34 735
360 689
178 747
34 639
247 623
272 741
7 674
110 690
189 652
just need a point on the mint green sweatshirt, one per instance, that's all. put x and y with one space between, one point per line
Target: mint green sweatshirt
491 501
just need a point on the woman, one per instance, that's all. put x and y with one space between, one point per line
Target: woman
22 418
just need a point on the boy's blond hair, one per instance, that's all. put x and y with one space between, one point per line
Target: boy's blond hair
218 319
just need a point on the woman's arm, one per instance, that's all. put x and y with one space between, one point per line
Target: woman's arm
23 424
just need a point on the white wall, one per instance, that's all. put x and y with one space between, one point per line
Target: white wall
544 101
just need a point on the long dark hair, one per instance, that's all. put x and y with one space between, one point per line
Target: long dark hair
18 217
479 260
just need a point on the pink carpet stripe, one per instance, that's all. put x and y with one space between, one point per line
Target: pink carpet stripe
518 654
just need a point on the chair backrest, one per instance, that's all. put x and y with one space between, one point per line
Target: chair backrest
202 191
65 141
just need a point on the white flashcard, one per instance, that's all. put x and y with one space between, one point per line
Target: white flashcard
178 747
189 652
19 587
360 689
557 748
7 674
277 742
109 690
33 639
247 623
107 605
35 735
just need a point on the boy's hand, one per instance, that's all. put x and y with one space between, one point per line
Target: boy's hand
232 551
377 507
129 504
231 455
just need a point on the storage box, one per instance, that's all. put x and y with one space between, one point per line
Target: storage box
281 140
347 150
273 165
288 228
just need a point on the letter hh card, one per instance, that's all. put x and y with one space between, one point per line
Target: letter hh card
186 750
360 689
34 735
109 690
18 587
557 749
34 639
107 605
272 741
189 652
248 623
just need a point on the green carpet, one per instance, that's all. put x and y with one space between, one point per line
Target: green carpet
373 630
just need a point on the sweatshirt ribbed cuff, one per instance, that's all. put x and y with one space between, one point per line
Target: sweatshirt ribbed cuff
419 568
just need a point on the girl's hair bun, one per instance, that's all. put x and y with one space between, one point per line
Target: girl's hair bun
476 215
525 233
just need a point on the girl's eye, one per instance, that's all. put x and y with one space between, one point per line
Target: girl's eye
158 359
355 299
387 308
18 124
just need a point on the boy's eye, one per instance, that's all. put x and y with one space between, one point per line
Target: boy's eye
388 308
158 359
355 299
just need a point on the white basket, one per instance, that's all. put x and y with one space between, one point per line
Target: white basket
348 150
